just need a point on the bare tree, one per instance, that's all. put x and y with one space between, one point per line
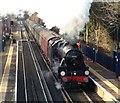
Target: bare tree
106 14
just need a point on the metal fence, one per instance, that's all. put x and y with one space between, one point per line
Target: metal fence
90 52
102 59
0 45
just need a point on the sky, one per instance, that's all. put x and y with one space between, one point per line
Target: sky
55 9
15 5
69 15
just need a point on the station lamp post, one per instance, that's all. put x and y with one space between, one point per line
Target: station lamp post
117 51
117 36
117 66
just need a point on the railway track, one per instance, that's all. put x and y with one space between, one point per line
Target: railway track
30 87
33 86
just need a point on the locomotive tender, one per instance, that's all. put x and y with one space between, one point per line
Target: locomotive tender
70 63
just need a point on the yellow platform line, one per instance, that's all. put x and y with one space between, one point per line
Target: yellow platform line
112 86
4 81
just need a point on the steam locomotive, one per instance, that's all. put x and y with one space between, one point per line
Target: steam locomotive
66 61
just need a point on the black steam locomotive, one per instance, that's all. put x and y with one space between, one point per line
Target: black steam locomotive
63 57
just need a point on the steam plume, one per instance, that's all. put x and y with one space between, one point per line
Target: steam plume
69 15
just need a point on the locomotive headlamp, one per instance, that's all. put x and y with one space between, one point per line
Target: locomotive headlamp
86 72
62 73
75 73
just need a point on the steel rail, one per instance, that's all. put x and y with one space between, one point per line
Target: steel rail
40 76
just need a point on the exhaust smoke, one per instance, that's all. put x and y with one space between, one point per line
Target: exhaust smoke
69 15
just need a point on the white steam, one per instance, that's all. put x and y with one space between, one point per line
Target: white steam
58 85
69 15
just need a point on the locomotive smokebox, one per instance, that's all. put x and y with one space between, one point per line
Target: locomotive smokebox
74 58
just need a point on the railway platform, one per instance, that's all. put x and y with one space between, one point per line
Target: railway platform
104 77
8 71
7 84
